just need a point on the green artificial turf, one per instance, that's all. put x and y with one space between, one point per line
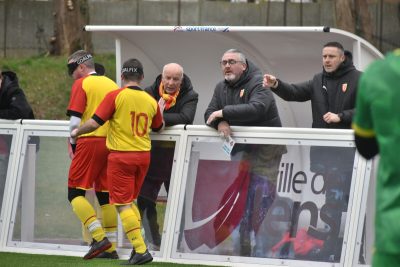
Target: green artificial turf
33 260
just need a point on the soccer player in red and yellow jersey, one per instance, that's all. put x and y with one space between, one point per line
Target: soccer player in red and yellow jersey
89 164
132 113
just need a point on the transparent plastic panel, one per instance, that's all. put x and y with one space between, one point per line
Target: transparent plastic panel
152 200
366 224
267 201
365 245
5 146
43 213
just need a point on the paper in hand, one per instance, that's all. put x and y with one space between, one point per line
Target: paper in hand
228 145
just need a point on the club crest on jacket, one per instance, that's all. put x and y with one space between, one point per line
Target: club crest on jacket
344 87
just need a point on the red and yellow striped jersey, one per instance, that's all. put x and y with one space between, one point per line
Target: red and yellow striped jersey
132 113
86 95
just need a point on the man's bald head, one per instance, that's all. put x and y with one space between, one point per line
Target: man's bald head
172 77
174 68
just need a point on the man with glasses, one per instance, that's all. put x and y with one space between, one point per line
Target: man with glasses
240 100
89 164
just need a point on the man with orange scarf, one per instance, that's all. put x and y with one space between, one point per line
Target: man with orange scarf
178 101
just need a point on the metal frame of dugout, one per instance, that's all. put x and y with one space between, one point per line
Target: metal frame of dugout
36 216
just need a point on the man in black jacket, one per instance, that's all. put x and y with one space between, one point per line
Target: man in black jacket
332 93
13 103
13 106
178 101
240 100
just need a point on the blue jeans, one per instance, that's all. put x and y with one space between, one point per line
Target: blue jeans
261 195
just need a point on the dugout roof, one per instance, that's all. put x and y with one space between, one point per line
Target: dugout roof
291 53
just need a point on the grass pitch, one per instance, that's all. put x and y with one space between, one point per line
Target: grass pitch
20 260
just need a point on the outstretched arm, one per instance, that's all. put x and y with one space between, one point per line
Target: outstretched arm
270 81
299 92
89 126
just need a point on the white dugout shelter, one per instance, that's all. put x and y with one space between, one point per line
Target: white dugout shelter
208 187
293 54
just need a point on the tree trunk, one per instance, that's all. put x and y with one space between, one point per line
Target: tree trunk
344 15
70 17
365 20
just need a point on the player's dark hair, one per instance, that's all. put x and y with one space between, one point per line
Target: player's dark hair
132 70
335 44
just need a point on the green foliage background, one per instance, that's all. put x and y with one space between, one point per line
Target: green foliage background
46 83
47 86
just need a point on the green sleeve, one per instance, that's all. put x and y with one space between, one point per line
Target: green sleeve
362 121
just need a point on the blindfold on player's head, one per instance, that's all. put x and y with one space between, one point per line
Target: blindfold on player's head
73 65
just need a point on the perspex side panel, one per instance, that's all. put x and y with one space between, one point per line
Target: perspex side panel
7 149
42 212
266 201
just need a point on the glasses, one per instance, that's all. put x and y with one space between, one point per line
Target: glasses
229 61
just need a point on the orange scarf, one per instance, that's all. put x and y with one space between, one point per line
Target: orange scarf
170 100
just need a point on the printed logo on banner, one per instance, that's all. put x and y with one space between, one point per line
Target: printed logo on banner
308 208
289 181
178 29
200 29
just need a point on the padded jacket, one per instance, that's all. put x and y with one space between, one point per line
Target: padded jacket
245 102
184 110
329 92
13 103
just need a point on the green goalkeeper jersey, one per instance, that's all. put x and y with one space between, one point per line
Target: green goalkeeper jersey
377 116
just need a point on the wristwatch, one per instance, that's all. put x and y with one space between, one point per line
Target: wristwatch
340 115
275 84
